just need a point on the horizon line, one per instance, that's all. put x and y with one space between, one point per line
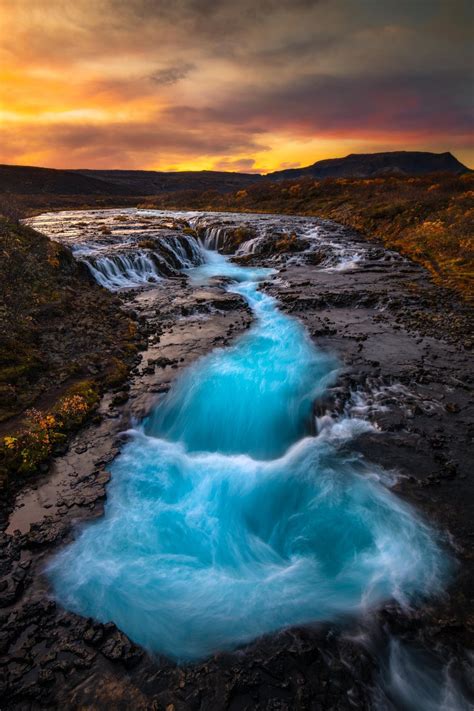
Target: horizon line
229 172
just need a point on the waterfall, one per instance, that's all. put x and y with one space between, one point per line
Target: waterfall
123 270
184 251
250 246
231 513
118 270
215 238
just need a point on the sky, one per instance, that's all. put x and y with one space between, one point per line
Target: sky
239 85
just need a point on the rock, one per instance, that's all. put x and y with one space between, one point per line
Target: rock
162 362
120 398
52 657
119 647
45 676
315 258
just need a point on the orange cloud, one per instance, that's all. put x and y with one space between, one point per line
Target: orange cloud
247 86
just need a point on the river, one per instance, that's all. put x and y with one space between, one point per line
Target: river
232 511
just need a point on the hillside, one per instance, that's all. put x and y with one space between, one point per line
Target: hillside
62 340
150 182
125 184
27 180
428 217
362 165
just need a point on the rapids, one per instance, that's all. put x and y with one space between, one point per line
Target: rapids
229 516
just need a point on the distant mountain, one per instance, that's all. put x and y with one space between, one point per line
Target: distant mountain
26 180
369 165
151 182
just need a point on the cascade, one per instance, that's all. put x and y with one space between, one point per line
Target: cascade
214 238
228 517
117 270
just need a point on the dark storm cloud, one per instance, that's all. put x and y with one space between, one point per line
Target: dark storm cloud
155 136
171 75
327 105
279 29
91 27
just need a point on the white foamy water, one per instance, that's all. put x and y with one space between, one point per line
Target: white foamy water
130 247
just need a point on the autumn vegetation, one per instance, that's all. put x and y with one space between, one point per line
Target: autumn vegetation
63 340
42 433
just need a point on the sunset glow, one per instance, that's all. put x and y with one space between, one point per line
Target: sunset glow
230 86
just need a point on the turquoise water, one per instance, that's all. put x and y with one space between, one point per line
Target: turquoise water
228 517
254 398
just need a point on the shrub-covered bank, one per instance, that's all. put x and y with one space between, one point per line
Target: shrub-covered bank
63 340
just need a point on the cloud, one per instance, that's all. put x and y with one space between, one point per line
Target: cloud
125 145
171 75
344 105
136 82
240 165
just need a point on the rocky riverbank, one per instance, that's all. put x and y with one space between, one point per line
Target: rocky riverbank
40 642
405 350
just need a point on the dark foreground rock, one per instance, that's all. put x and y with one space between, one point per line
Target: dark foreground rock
405 355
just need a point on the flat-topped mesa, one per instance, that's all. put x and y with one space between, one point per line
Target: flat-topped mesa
120 184
364 165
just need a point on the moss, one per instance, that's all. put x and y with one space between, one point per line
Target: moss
189 231
117 372
237 236
289 243
15 372
147 244
86 389
24 451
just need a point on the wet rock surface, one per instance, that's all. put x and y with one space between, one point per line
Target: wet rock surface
404 346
